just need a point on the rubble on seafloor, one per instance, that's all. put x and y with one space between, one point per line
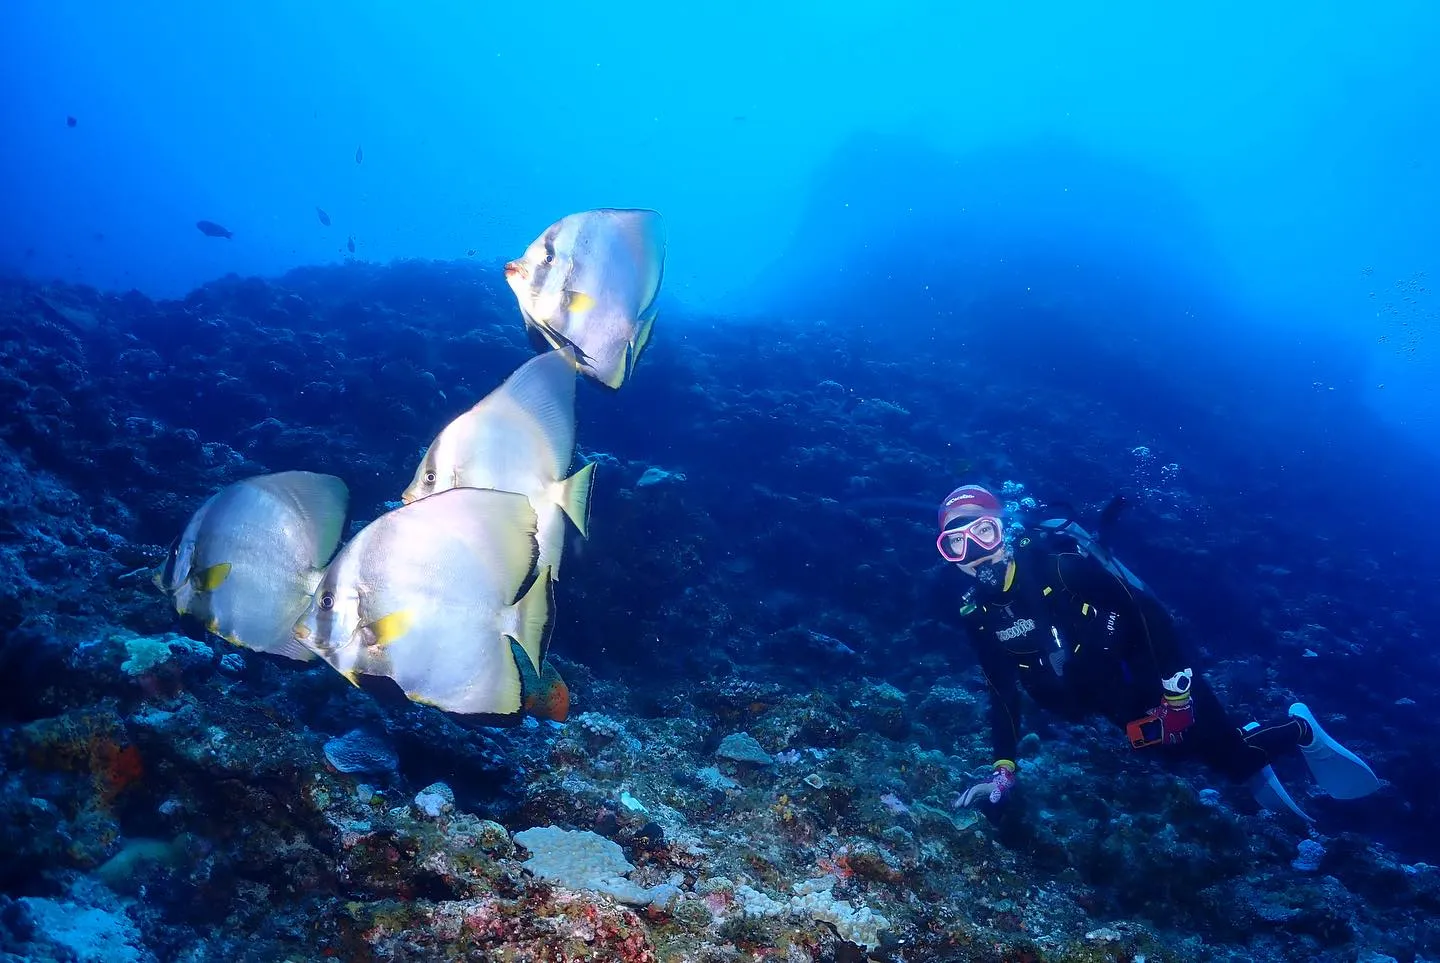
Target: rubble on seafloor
199 819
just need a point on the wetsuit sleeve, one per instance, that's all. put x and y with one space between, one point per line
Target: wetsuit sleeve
1088 581
1003 689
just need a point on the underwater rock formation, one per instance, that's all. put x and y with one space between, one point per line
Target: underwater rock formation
770 580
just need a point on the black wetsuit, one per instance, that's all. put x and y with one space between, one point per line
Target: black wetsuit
1059 608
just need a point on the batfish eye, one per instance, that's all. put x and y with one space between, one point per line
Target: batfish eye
327 601
430 478
549 258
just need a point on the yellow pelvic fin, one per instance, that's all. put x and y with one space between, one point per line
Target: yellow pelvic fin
391 627
535 608
507 692
352 677
642 338
578 302
209 579
575 497
617 377
632 355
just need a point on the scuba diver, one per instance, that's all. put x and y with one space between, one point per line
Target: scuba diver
1052 610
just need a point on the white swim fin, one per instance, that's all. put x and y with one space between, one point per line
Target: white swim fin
1338 771
1270 793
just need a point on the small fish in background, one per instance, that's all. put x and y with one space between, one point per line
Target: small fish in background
71 122
518 438
211 229
432 595
827 645
250 557
359 155
470 253
350 244
324 218
590 282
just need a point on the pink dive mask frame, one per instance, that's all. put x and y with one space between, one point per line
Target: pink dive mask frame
985 538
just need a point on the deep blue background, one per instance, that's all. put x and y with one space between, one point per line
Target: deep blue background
1272 154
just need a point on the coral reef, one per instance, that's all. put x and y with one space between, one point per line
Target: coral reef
772 718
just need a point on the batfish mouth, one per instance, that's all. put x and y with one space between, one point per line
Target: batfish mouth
513 268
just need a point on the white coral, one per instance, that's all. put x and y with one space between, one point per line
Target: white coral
813 900
858 924
581 859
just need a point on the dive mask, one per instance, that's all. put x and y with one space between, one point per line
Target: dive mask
968 540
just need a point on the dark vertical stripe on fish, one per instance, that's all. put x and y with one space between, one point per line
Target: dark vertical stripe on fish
542 270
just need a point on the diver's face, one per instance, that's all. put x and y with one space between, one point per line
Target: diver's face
976 546
965 541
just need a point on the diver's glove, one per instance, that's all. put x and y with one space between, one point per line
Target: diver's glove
1002 780
1167 722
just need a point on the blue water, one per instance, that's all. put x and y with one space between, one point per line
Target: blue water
1278 156
1063 233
